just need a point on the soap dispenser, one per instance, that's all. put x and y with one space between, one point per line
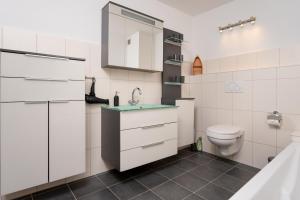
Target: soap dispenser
116 99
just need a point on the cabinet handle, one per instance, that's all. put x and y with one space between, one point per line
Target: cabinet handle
35 102
153 144
59 101
45 79
48 57
153 126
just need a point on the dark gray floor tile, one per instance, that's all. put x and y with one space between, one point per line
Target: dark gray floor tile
203 153
85 186
193 197
151 179
185 164
99 195
213 192
231 162
128 189
113 177
200 159
248 168
170 171
219 165
27 197
185 153
206 173
241 174
171 191
190 181
230 183
147 196
57 193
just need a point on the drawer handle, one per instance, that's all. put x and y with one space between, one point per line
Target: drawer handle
45 79
153 144
153 126
48 57
60 101
35 102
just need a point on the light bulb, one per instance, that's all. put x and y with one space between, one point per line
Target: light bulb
230 28
242 25
252 22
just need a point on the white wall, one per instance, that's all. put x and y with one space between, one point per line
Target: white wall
277 26
81 19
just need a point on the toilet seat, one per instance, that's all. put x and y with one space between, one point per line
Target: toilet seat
224 132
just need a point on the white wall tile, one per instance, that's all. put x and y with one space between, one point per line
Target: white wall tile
98 165
196 91
245 155
261 153
95 62
186 68
228 64
243 119
247 61
283 138
48 44
290 56
210 94
209 117
262 132
195 79
243 100
289 96
1 37
264 95
245 75
224 99
224 117
268 58
185 90
207 145
209 77
198 118
93 126
136 76
151 92
289 72
264 74
17 39
225 76
211 66
118 74
289 124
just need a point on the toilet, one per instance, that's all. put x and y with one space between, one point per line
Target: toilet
227 138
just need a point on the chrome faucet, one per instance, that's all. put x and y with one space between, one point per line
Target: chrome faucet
133 100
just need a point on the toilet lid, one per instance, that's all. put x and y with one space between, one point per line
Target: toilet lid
223 129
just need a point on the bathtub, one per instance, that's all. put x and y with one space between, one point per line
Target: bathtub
279 180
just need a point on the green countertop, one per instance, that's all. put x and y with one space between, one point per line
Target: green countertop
124 108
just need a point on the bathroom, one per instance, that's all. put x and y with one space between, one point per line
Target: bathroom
83 117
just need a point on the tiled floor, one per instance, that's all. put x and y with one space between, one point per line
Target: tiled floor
188 175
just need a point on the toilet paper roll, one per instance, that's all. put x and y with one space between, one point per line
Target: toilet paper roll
273 122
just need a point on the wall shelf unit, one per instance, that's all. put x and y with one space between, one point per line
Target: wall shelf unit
174 41
173 62
173 83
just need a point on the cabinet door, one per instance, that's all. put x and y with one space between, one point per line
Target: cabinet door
66 139
116 41
24 145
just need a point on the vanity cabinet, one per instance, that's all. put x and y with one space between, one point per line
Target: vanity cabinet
131 40
42 119
134 138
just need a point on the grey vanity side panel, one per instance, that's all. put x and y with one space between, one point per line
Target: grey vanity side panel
105 36
110 137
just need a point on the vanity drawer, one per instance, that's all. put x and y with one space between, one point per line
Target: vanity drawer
138 137
146 154
142 118
34 66
21 89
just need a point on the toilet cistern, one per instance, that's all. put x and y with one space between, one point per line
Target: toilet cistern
134 100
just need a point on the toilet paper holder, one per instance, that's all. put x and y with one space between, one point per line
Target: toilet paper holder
274 119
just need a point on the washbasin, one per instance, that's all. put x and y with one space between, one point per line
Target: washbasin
139 107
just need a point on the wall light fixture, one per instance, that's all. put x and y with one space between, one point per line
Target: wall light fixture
240 23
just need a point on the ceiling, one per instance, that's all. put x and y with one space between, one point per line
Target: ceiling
194 7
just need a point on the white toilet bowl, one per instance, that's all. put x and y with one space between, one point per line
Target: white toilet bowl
228 139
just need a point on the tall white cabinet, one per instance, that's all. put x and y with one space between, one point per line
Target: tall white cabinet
42 119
